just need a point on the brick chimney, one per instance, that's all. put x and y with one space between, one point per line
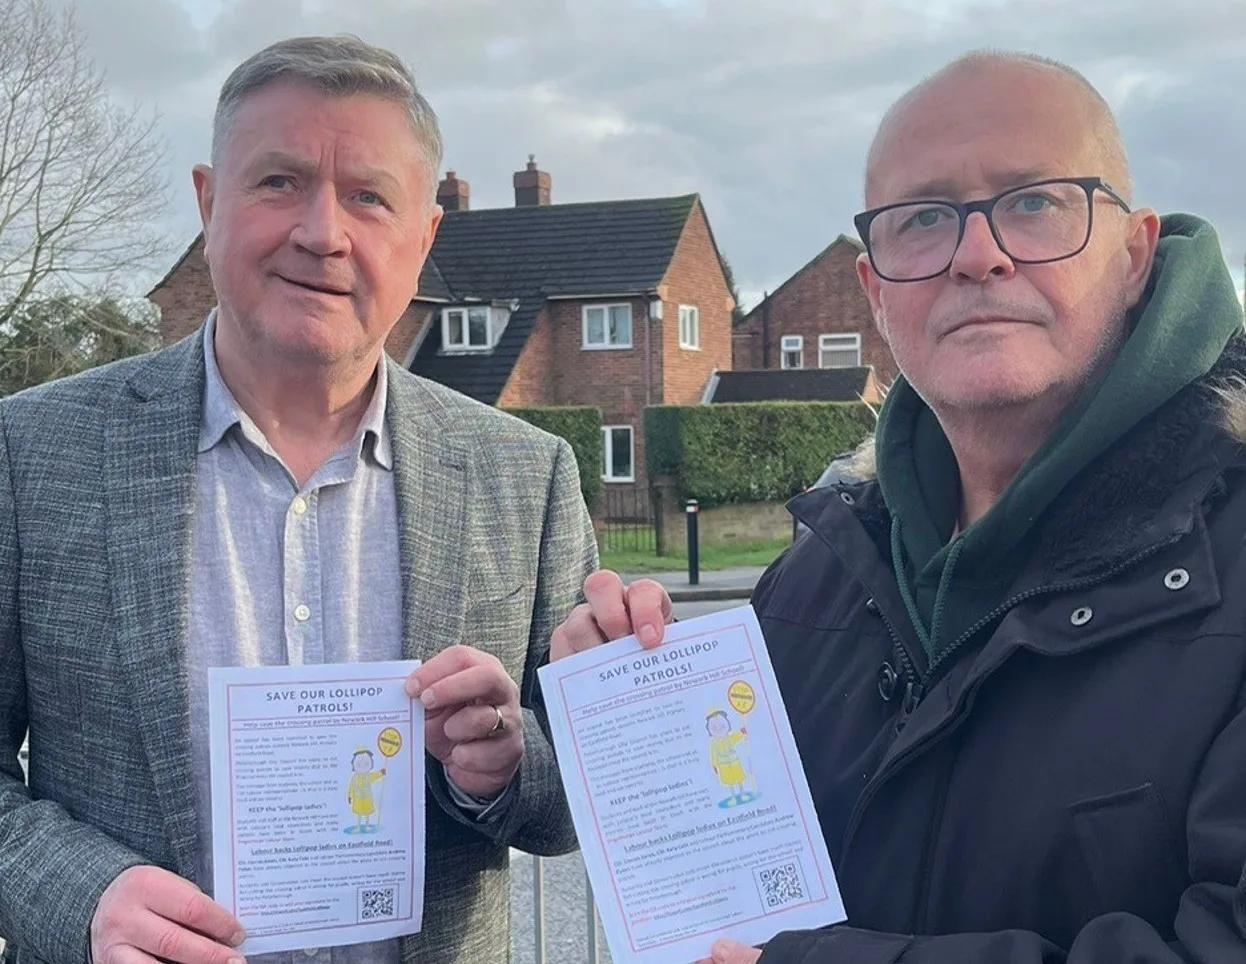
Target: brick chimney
453 194
532 187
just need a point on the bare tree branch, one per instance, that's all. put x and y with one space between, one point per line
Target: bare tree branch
82 186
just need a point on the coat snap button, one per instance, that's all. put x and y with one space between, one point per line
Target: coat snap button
1082 615
887 682
847 497
1177 579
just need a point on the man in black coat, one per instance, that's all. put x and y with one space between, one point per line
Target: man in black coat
1014 656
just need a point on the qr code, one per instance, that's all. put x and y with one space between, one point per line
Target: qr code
781 885
377 904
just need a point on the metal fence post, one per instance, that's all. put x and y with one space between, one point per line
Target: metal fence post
692 510
538 907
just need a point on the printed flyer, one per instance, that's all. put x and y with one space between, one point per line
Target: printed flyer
688 795
317 803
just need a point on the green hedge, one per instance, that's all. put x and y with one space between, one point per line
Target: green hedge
580 425
750 452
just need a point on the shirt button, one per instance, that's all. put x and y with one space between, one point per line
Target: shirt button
300 507
302 613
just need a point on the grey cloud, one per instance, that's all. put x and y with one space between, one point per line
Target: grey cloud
765 108
145 46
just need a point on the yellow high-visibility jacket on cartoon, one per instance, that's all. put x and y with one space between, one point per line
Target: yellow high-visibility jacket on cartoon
725 760
359 793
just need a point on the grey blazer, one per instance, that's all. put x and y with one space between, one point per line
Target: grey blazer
96 495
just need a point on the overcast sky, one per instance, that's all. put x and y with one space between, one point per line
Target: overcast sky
765 107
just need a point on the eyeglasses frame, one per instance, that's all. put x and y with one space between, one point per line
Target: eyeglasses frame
986 208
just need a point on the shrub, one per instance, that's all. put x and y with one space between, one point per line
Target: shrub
751 451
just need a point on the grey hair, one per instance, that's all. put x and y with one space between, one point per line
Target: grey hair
1106 129
342 66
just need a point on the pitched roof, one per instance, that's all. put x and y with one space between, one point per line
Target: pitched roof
843 239
613 247
433 286
190 249
792 385
530 254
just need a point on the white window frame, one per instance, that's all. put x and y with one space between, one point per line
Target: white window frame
607 453
792 343
491 329
606 307
690 327
847 341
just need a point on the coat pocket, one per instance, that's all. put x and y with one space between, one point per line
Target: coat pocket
1133 853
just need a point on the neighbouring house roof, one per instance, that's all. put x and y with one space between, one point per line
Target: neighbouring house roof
531 254
791 385
432 285
196 244
843 239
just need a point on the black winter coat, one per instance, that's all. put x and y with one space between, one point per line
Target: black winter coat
1072 786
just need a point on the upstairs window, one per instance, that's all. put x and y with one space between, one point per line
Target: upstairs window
689 327
839 351
792 351
467 329
608 326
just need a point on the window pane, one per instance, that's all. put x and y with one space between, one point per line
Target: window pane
478 327
839 351
595 330
605 453
840 358
455 324
620 324
621 453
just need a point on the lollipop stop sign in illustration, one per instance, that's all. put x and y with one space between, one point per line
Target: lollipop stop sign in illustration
729 747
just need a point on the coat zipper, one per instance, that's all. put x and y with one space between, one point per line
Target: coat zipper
917 686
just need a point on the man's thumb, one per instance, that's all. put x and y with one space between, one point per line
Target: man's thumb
728 952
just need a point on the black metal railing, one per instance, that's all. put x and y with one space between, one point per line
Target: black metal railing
626 520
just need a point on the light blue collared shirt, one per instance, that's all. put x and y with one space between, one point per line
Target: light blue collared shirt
287 574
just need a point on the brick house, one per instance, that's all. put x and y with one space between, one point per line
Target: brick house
618 304
818 318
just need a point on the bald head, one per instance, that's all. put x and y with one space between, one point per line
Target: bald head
1052 96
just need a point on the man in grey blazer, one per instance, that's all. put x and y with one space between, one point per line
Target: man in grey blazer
274 490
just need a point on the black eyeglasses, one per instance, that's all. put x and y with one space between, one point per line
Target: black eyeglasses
1035 223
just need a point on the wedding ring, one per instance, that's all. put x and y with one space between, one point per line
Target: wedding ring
500 725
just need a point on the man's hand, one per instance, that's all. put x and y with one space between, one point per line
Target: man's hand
148 915
613 611
732 952
473 722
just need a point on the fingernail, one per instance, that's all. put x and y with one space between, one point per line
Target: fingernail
413 689
428 698
238 938
648 633
235 960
